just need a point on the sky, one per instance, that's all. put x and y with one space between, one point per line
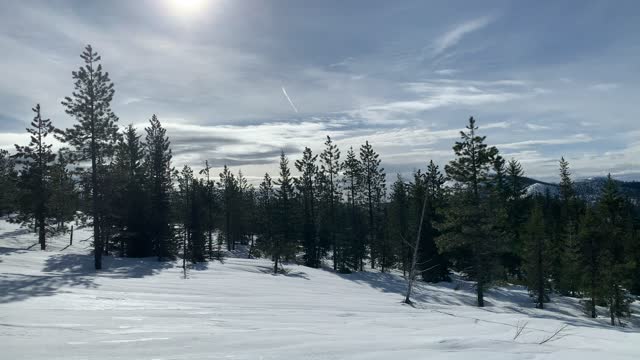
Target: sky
237 81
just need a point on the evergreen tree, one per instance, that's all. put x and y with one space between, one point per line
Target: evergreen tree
433 265
63 199
284 241
185 210
373 179
398 221
266 214
229 189
470 222
516 208
96 133
158 171
8 181
330 185
536 255
35 176
566 245
590 238
307 188
614 262
357 248
130 198
209 203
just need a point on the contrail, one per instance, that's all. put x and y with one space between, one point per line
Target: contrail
284 91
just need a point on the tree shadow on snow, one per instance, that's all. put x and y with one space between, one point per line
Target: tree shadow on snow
499 300
112 267
5 251
18 287
440 294
283 272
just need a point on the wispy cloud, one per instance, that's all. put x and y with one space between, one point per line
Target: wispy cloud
604 87
441 93
536 127
284 91
446 72
573 139
452 37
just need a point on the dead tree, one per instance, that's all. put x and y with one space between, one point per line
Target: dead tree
416 246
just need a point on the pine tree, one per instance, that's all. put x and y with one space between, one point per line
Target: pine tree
516 208
185 201
330 185
373 179
590 238
8 181
266 204
398 220
130 198
63 199
229 188
284 242
96 133
470 222
353 184
536 255
433 265
158 171
567 244
615 265
209 201
307 188
35 176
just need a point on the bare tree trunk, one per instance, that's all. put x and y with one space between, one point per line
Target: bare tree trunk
414 260
41 233
540 276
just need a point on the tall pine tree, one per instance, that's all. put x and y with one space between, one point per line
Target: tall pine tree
96 133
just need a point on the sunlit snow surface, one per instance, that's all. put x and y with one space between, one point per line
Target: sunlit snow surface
54 306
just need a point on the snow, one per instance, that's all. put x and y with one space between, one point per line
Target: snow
53 305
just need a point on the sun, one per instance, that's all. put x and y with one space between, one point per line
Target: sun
186 8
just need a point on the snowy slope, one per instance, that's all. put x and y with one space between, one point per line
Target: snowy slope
54 306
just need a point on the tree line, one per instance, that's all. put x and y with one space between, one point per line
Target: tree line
473 217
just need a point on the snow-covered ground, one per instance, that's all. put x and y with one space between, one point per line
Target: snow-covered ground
54 306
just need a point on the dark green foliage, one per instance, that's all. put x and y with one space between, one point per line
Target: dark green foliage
536 255
8 181
284 244
307 186
209 199
355 249
433 265
158 171
35 185
96 133
330 198
373 192
130 198
475 221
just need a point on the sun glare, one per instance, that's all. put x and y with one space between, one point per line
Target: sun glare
186 8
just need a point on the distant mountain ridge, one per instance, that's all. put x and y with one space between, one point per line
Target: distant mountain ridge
588 189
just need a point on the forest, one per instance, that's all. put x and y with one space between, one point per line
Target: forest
324 207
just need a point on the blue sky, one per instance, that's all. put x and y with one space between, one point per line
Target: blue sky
237 81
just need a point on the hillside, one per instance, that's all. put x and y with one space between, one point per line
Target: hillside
54 306
587 189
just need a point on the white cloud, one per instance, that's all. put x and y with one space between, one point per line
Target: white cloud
536 127
604 87
574 139
446 72
454 36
